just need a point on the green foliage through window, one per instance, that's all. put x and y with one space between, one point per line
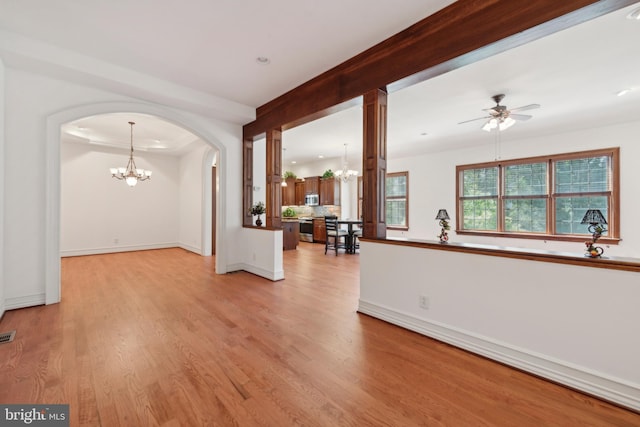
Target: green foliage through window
397 199
544 195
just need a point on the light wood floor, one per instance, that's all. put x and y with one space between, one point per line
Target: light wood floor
156 338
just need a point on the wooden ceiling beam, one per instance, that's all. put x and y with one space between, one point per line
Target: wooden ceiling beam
460 34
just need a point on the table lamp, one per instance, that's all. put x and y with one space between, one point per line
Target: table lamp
443 216
596 222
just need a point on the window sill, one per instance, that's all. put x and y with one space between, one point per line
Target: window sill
612 263
553 237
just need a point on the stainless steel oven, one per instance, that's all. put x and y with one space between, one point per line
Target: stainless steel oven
306 229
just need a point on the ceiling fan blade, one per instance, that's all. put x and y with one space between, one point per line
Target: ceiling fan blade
521 117
526 107
473 120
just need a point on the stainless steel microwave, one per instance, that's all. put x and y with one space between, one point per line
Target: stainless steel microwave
311 200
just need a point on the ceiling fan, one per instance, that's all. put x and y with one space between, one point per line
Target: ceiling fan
502 118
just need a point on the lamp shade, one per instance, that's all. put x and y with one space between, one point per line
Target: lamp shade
442 214
593 216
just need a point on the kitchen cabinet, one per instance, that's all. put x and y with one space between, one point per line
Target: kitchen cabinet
299 193
330 191
312 185
319 230
290 234
289 193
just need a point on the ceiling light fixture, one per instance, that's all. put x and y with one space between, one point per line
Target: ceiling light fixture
345 173
623 92
501 123
131 174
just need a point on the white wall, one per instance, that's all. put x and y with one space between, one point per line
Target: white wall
2 114
191 199
100 214
262 253
572 324
432 184
575 325
35 107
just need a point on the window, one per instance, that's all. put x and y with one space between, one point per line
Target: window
539 197
397 200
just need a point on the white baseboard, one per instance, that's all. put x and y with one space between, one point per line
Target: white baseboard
190 248
115 249
594 383
273 276
24 301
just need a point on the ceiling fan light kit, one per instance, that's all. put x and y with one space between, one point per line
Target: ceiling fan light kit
635 14
502 118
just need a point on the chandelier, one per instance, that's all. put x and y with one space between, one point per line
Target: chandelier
131 174
345 173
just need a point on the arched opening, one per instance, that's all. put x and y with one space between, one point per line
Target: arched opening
54 174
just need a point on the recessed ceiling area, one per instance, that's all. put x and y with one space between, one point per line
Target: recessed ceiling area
150 133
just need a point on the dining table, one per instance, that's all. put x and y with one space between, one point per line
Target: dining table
350 241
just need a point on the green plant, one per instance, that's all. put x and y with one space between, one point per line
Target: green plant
257 209
289 213
289 174
328 174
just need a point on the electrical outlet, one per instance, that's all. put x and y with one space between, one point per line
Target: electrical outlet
424 302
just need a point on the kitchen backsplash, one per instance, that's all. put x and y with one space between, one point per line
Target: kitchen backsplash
311 211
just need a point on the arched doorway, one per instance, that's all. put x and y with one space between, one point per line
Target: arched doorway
53 174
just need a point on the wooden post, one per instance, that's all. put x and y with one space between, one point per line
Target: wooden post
274 178
247 181
374 164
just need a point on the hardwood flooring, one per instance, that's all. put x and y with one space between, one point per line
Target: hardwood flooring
156 338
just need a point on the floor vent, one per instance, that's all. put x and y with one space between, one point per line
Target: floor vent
7 337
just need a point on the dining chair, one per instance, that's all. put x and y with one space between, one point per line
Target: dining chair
335 238
356 239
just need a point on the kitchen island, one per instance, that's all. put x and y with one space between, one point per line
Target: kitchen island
290 233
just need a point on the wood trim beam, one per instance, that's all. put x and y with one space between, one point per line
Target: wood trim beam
460 34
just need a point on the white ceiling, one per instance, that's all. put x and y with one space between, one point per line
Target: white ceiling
211 47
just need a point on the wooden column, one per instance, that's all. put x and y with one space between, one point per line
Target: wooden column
274 178
374 163
247 181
